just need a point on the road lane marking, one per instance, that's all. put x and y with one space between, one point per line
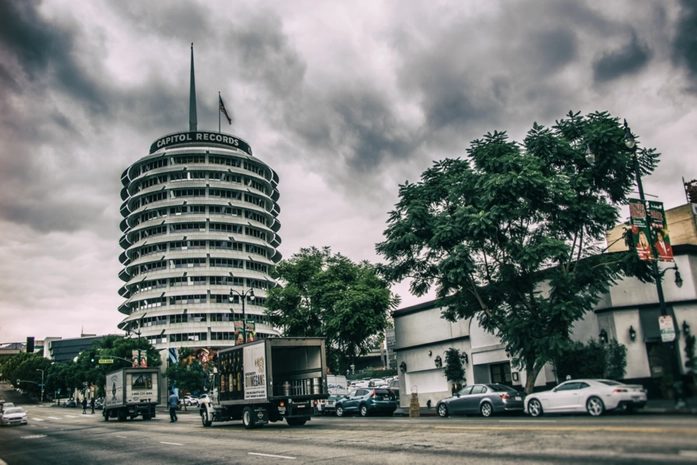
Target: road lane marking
34 436
171 443
273 456
37 419
122 437
53 418
688 453
591 429
527 421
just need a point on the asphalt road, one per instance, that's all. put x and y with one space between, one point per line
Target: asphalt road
66 436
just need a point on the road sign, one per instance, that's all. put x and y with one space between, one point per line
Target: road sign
665 323
106 361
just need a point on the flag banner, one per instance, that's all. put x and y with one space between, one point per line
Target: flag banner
659 227
640 229
223 110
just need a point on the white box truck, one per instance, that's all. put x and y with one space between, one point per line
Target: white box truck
268 380
130 393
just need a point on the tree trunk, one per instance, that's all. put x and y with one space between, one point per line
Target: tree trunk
531 376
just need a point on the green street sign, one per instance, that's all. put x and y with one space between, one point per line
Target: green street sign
106 361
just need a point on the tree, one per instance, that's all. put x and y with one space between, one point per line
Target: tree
592 360
512 235
454 371
187 374
325 295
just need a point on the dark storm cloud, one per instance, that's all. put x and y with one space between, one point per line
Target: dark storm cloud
551 50
45 52
685 41
629 59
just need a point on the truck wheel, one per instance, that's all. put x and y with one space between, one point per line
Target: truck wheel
248 417
204 419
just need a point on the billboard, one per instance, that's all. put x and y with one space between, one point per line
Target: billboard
640 229
659 227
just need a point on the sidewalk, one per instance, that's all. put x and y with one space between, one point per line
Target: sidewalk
655 406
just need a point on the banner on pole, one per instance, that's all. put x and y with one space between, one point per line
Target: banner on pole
659 227
640 229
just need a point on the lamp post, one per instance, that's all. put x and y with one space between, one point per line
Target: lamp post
630 142
42 384
243 297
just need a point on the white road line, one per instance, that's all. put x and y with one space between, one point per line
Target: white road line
527 421
688 453
171 443
70 416
122 437
53 418
273 456
37 419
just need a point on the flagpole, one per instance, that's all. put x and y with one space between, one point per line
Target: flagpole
219 113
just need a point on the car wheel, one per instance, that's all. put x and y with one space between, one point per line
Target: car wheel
442 410
364 410
595 406
339 411
486 409
535 408
248 417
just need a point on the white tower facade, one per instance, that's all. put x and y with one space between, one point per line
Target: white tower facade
200 231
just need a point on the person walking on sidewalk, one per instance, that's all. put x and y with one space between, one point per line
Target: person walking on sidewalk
173 402
92 405
84 406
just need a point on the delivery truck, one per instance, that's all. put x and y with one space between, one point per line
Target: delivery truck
131 393
266 381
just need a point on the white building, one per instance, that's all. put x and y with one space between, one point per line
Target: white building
200 230
628 313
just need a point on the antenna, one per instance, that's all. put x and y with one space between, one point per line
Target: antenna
193 123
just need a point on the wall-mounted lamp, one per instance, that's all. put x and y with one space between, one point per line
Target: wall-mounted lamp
403 367
430 353
602 336
464 358
632 333
439 362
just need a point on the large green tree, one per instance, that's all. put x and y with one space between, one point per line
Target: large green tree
187 373
325 295
513 234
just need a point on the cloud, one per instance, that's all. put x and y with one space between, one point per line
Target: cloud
628 60
685 41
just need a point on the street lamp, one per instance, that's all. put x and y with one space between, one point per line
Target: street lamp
42 384
243 297
630 142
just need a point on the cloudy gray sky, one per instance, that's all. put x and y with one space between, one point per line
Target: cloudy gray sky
345 100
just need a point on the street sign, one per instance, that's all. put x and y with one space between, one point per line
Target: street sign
106 361
665 323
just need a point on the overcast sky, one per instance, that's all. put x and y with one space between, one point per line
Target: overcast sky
345 100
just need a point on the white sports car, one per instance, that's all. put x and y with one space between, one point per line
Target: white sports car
594 396
13 416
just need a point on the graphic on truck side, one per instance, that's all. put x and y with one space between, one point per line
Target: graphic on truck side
255 372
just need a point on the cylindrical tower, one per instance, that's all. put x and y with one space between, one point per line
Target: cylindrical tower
200 219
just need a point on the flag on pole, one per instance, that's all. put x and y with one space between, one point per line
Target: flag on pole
222 108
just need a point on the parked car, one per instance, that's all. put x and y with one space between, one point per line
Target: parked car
202 398
99 404
482 399
367 401
188 400
70 403
13 416
328 406
594 396
6 405
394 386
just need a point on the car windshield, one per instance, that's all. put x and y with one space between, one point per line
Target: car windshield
501 388
14 410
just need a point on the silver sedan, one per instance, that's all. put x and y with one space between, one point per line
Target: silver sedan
482 399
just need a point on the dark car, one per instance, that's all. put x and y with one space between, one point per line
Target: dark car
367 401
70 403
482 399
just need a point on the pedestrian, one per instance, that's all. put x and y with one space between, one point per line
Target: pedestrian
92 405
84 406
173 402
